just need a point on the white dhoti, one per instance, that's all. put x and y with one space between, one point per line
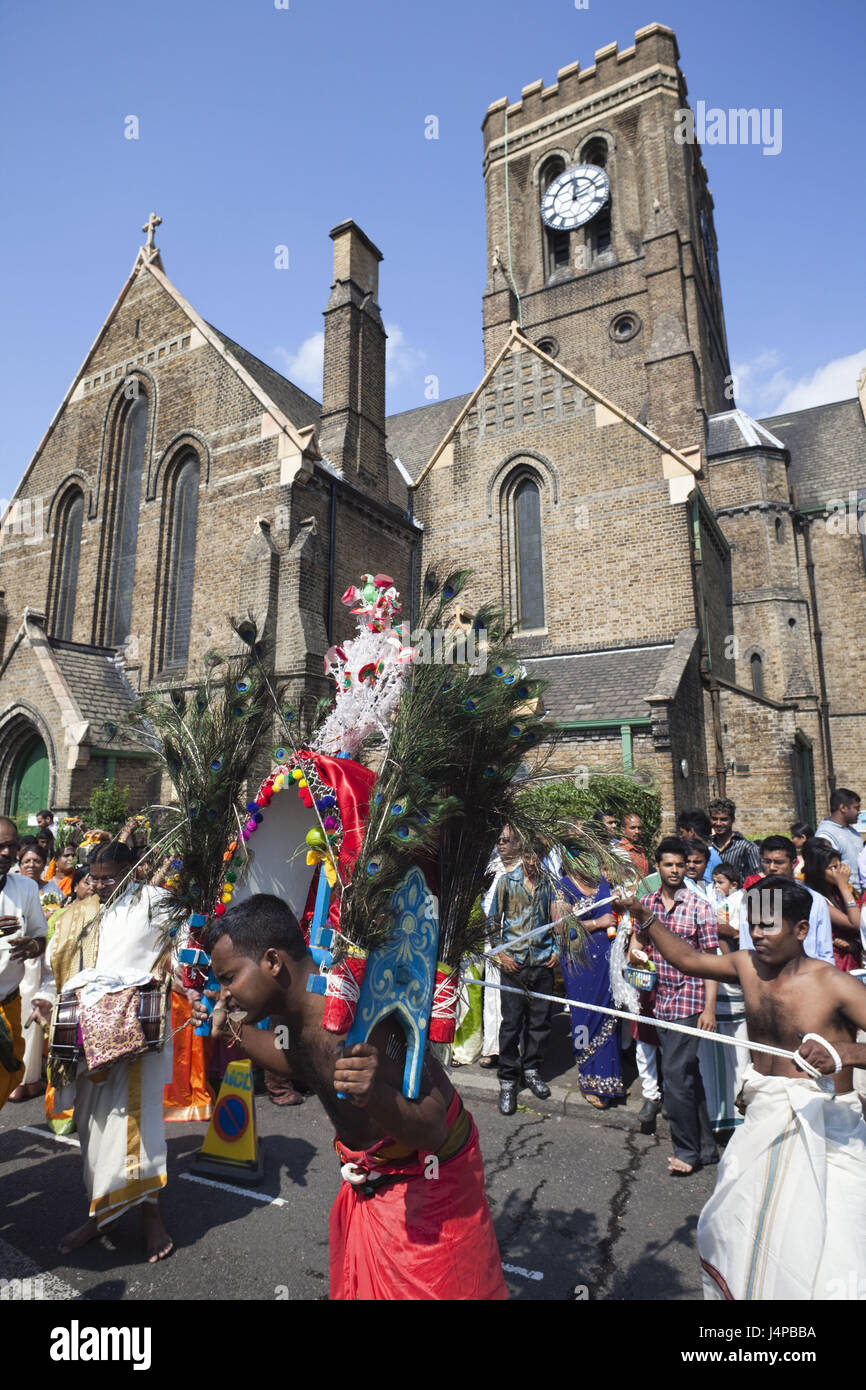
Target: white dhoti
120 1118
122 1131
34 1038
787 1219
492 1011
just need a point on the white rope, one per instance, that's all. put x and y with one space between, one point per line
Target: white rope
445 997
641 1018
343 985
546 926
807 1066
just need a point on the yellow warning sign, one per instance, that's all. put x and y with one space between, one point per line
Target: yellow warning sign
231 1144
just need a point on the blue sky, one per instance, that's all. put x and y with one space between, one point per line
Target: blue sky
261 126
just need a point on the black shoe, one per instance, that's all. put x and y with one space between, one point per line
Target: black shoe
647 1116
507 1097
536 1085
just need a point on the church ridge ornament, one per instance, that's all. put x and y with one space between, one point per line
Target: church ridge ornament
150 248
574 197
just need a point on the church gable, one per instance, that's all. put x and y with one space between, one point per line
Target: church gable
167 448
553 494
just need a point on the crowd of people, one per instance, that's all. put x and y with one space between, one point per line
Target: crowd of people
704 872
731 941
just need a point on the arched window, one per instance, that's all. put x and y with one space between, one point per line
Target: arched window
556 243
527 550
182 500
757 666
129 467
67 553
598 232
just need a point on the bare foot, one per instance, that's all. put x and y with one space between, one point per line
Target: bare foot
678 1169
157 1240
80 1236
596 1101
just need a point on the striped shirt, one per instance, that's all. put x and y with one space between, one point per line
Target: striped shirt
681 996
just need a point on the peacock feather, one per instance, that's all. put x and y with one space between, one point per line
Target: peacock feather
468 724
207 737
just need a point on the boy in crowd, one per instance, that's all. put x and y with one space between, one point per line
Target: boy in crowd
694 826
777 857
838 828
729 843
683 1000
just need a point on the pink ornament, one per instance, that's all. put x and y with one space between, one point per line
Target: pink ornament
329 823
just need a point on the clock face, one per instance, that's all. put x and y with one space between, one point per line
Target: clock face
574 197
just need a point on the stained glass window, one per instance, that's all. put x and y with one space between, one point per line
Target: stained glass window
181 563
130 467
68 554
530 581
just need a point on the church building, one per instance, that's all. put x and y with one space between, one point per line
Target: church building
689 582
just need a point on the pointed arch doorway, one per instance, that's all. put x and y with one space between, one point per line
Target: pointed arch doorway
29 782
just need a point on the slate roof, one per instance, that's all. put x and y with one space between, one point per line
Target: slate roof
99 688
732 430
300 408
827 444
600 685
412 435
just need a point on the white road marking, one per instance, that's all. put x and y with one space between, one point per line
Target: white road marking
525 1273
240 1191
23 1281
49 1134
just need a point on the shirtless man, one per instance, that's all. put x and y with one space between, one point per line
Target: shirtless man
788 1216
394 1235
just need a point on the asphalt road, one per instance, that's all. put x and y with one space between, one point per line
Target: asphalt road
584 1208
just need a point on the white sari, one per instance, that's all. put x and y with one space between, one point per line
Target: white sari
787 1219
118 1111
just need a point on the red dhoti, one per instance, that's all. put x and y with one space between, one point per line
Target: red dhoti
420 1228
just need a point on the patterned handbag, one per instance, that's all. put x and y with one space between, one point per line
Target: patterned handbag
112 1028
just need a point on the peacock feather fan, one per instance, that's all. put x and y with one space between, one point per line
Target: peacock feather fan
207 737
468 721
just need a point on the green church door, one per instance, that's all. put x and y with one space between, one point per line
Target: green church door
30 776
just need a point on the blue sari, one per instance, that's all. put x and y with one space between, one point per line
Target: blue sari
595 1037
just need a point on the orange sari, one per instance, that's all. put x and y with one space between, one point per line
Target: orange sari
188 1097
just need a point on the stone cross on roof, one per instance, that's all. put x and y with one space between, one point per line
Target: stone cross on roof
150 227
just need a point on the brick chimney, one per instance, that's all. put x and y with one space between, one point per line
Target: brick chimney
352 432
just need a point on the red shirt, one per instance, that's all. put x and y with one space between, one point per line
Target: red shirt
638 857
679 996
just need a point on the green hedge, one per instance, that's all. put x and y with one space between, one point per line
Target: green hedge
617 791
109 806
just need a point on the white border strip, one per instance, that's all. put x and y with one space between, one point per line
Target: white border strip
239 1191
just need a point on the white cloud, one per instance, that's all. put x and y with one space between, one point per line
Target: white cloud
304 367
401 360
765 386
835 381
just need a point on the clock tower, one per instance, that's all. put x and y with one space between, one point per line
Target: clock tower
600 236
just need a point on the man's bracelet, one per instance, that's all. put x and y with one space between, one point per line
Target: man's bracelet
649 921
